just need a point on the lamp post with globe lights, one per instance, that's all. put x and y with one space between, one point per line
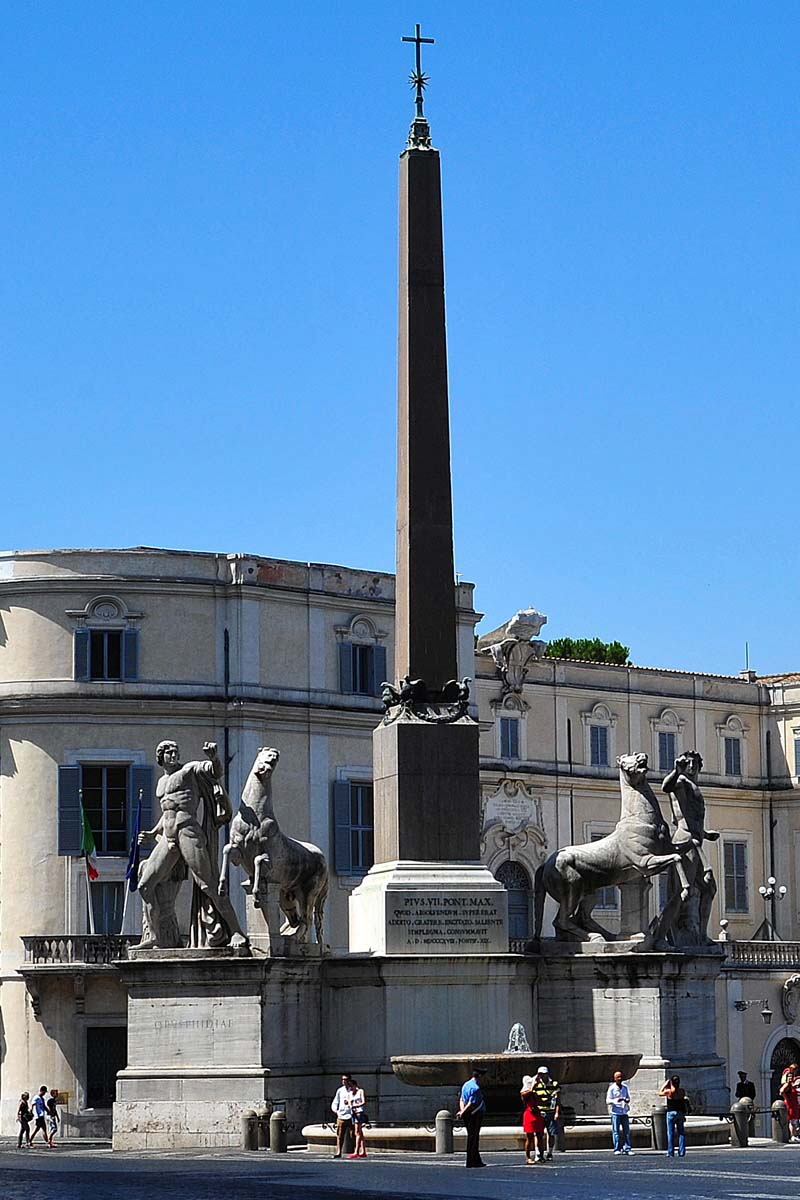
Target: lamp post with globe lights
770 893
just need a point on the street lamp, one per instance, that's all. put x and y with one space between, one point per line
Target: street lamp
769 893
766 1011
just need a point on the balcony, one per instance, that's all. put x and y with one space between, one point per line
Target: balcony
765 956
82 949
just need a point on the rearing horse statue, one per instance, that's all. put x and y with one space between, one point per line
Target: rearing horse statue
268 856
639 846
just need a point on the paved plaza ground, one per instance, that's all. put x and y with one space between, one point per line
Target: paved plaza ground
762 1172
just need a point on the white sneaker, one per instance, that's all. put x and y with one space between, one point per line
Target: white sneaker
618 1152
627 1152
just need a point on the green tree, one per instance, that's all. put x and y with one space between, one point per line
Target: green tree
589 650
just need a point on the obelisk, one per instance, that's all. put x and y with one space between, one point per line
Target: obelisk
425 752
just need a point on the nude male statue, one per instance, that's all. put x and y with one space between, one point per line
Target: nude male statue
689 812
191 797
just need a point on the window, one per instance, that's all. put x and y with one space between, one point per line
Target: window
108 900
108 794
362 668
666 751
733 756
599 745
509 737
736 898
105 803
106 1054
353 827
106 655
607 897
797 756
516 881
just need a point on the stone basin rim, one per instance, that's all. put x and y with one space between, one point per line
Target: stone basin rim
577 1066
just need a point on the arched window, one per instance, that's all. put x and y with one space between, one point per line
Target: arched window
787 1051
517 882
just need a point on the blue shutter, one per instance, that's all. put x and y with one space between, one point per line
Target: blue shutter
378 669
130 654
797 756
141 779
345 667
82 653
70 823
342 852
602 738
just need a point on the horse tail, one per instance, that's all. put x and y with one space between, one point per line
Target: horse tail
319 905
539 893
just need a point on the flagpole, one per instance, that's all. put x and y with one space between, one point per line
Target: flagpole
133 864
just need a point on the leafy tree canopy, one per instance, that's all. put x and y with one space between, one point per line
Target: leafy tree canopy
589 650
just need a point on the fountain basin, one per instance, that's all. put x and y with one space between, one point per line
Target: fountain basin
504 1071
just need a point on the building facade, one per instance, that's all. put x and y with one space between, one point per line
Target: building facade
105 653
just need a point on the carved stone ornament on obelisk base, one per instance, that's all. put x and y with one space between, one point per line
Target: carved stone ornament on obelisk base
428 892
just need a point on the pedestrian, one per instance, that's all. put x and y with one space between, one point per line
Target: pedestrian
788 1095
618 1099
746 1090
532 1123
39 1114
344 1115
548 1094
24 1116
676 1115
53 1119
471 1110
358 1107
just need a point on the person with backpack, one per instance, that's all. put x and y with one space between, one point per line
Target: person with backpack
24 1117
677 1108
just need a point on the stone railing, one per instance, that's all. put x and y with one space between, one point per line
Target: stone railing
767 955
93 949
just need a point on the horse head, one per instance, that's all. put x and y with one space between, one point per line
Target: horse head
266 761
633 769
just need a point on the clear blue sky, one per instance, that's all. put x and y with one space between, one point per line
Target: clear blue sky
198 301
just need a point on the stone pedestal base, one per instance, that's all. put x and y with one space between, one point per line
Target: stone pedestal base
429 908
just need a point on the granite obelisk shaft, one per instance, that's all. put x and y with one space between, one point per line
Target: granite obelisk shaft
425 621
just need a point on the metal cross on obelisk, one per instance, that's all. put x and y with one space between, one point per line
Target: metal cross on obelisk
417 79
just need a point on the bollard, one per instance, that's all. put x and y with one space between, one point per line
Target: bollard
780 1122
249 1130
658 1128
277 1133
263 1129
740 1123
444 1132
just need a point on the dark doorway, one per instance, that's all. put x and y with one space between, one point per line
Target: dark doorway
106 1053
787 1051
517 882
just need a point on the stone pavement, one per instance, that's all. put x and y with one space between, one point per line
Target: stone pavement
762 1172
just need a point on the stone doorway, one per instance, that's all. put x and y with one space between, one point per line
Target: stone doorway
517 882
787 1051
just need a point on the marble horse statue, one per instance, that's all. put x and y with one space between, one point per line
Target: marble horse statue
638 847
267 855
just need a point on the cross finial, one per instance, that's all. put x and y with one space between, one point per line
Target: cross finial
417 79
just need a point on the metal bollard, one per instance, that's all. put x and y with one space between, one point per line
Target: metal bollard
658 1129
263 1129
277 1133
249 1130
444 1132
780 1122
740 1124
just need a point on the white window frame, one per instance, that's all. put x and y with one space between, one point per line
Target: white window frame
732 727
736 835
600 715
668 721
353 775
516 710
795 731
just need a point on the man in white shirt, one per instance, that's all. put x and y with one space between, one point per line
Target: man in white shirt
340 1105
618 1099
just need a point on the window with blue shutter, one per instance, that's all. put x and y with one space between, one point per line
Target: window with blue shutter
81 654
362 668
733 756
666 751
141 783
130 654
735 856
509 737
797 756
70 823
353 827
599 745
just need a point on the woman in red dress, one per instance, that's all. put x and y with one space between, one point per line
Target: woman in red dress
788 1094
532 1125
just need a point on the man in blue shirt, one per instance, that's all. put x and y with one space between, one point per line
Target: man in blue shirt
471 1110
40 1112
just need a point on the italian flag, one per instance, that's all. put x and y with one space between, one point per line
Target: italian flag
88 850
